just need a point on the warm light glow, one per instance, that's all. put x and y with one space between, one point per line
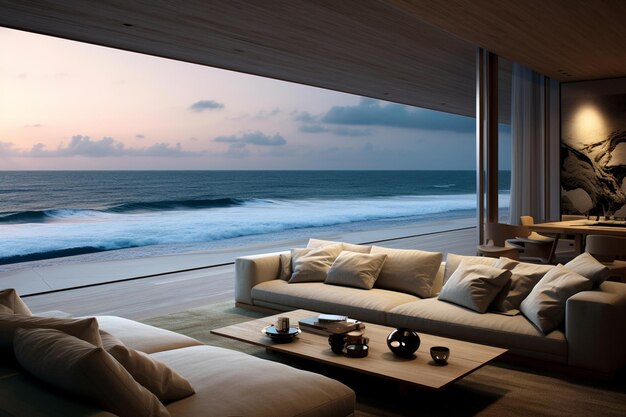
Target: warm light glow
589 124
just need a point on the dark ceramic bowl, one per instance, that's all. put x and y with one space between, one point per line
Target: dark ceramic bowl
440 354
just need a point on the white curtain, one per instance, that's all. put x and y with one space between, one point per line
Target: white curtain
527 145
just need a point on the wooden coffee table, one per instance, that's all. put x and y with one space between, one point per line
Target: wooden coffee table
420 370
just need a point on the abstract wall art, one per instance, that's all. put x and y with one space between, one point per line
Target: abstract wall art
593 148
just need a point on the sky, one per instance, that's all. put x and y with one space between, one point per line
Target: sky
70 105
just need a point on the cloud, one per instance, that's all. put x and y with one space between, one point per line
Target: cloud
371 112
105 147
34 125
202 105
251 138
140 136
304 117
339 131
264 114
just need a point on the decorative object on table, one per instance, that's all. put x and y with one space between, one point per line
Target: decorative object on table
440 354
327 327
281 336
357 351
282 324
337 343
403 342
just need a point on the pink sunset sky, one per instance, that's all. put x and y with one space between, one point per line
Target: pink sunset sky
69 105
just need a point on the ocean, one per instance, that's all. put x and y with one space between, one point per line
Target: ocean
52 214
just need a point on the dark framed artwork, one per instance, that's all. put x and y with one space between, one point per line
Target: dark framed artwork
593 148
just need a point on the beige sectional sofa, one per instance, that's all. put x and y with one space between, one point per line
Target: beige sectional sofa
226 382
593 336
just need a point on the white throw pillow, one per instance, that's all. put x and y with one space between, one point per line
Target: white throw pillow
311 265
10 299
545 305
409 271
157 377
318 243
524 277
83 369
589 267
474 286
85 329
453 261
353 269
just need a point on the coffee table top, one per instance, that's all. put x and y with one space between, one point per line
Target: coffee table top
420 370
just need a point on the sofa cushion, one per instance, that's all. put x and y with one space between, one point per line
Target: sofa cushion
524 277
589 267
83 369
317 243
285 266
143 337
85 329
474 286
353 269
312 264
163 382
449 320
545 305
10 299
367 305
230 383
453 261
409 271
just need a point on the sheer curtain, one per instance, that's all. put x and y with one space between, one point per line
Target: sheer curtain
527 145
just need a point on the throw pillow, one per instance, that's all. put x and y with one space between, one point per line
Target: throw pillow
453 261
545 305
157 377
5 310
524 277
318 243
474 286
310 265
589 267
83 369
285 266
9 298
353 269
85 329
409 271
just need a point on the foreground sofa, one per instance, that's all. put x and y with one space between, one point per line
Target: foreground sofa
226 383
592 338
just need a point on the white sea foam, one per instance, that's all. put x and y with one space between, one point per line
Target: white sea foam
89 228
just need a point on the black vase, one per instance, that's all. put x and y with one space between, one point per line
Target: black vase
403 342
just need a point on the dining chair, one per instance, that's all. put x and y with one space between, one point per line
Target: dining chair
498 236
611 251
535 246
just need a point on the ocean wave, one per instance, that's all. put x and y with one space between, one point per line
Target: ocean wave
42 216
252 217
444 185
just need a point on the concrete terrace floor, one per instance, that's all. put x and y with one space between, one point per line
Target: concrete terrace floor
148 287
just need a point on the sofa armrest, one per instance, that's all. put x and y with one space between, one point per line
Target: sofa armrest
252 270
595 328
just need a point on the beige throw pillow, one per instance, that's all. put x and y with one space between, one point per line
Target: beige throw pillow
312 264
453 261
157 377
589 267
359 270
5 310
9 298
545 305
474 286
83 369
285 266
318 243
409 271
524 277
85 329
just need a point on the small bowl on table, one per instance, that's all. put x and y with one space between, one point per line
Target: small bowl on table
440 354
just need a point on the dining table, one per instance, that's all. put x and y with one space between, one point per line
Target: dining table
579 229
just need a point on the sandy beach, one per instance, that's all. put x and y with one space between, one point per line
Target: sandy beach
75 271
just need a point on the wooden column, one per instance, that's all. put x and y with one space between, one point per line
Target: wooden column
486 139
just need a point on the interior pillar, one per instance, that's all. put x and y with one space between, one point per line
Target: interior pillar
486 139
